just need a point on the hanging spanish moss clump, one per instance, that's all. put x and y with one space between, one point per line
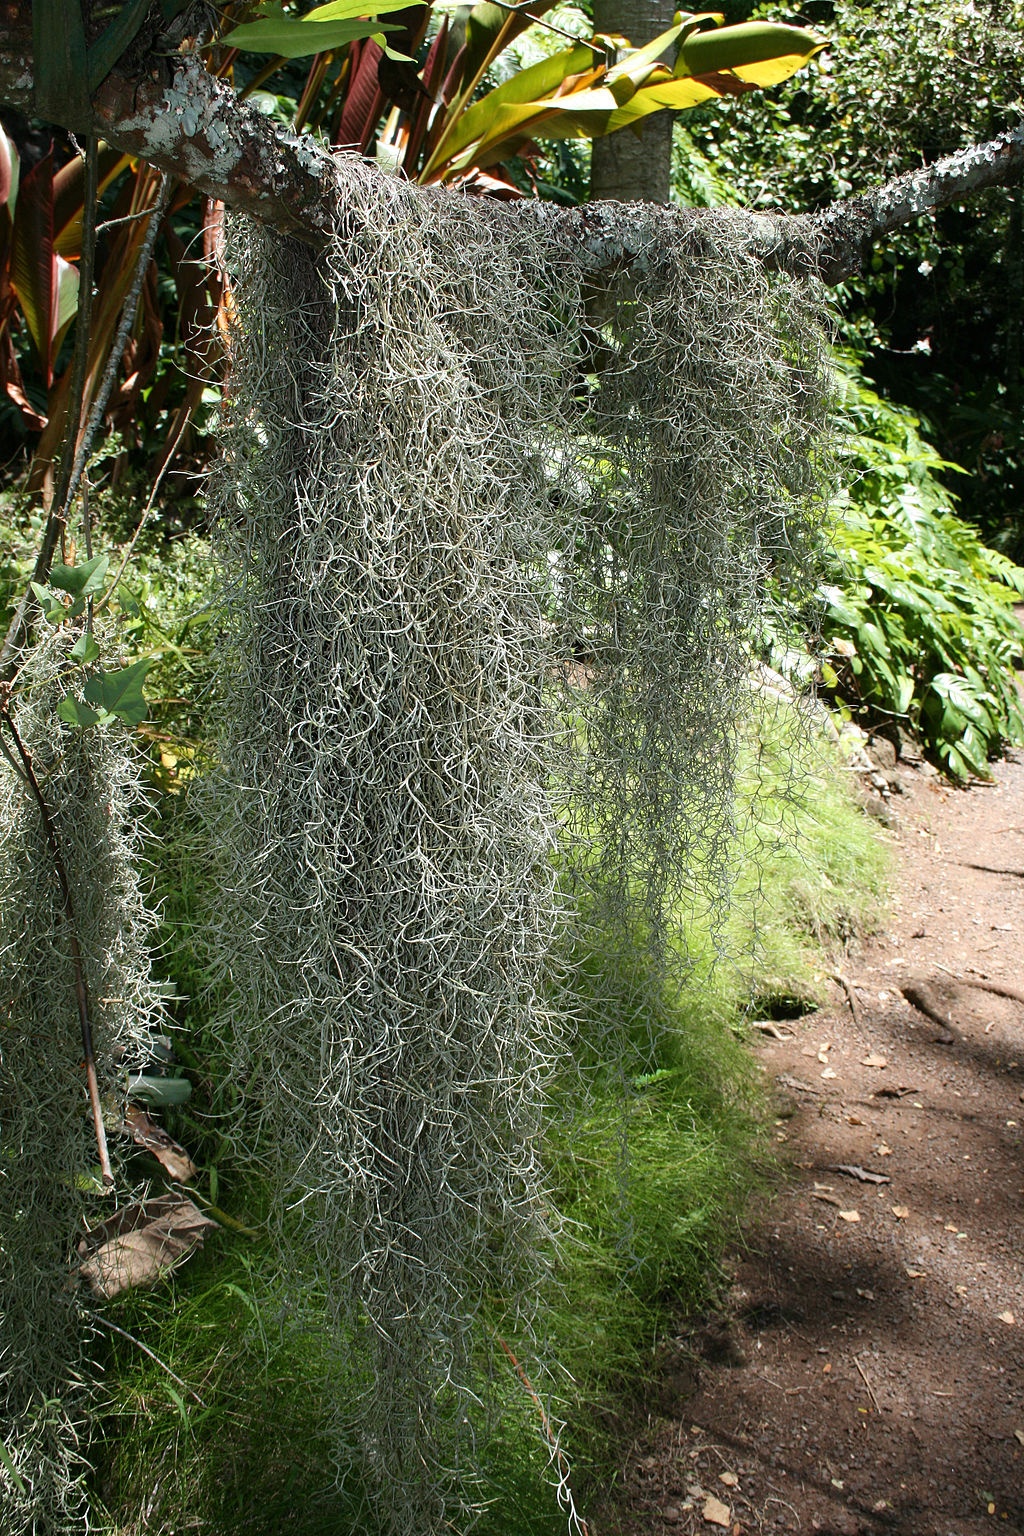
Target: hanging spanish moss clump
694 482
48 1151
493 549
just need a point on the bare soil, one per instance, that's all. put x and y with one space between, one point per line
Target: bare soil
866 1373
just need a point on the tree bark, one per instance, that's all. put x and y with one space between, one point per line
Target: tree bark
194 126
632 167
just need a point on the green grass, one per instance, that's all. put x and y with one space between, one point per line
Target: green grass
650 1175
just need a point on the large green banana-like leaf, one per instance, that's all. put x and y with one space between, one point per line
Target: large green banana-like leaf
761 52
328 26
636 63
516 102
594 102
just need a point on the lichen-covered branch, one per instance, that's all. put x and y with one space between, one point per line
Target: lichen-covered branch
848 229
196 128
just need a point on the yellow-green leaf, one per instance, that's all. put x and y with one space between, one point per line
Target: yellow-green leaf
760 52
515 103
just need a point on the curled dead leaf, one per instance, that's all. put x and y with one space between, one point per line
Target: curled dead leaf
140 1243
146 1133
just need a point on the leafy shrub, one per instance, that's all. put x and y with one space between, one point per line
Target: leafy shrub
920 613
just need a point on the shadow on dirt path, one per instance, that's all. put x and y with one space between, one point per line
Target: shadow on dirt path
868 1375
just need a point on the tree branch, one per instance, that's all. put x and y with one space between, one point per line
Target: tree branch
196 128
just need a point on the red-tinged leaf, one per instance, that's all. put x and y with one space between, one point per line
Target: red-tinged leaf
364 100
8 169
454 76
432 72
11 384
33 262
65 305
69 193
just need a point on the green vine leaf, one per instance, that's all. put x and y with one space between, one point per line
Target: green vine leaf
83 580
53 608
120 693
85 650
73 712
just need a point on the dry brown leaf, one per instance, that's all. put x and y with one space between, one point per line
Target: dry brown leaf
915 1274
715 1512
1018 1434
849 1215
874 1061
729 1479
901 1212
146 1133
882 1150
140 1243
1007 1317
828 1199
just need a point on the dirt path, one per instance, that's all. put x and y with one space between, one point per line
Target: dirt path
868 1373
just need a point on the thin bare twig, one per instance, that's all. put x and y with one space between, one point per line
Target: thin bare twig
556 1450
105 1322
102 602
864 1379
81 986
851 996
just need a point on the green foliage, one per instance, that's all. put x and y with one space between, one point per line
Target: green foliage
920 614
939 310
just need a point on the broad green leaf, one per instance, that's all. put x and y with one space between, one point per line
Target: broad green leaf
489 30
762 53
66 300
293 37
74 712
120 693
52 606
111 44
490 118
85 650
839 605
81 580
905 695
639 59
60 63
957 693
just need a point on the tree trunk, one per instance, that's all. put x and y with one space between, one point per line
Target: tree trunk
630 167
